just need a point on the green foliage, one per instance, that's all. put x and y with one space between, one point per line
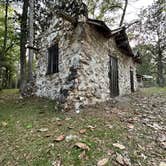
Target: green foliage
151 38
9 56
147 66
103 9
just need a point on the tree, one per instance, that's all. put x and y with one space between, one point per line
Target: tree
31 38
23 42
8 40
147 67
103 9
154 30
123 14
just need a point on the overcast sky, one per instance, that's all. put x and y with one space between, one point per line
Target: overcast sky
134 8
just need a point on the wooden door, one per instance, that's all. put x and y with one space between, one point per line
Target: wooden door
113 74
132 80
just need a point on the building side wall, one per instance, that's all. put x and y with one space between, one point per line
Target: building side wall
58 85
94 61
125 64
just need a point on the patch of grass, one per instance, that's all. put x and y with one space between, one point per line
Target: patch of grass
153 90
9 91
23 143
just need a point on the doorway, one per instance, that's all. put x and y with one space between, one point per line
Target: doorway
113 75
132 80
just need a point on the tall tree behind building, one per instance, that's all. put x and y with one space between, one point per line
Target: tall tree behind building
150 35
154 30
31 39
23 42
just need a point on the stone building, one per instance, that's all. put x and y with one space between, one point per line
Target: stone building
84 62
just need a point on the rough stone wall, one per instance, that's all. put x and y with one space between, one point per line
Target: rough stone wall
94 67
83 66
94 61
58 85
125 64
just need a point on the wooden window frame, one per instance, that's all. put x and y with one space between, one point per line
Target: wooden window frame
53 59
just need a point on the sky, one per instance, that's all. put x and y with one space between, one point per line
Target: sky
133 8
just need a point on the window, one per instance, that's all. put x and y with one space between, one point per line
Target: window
53 59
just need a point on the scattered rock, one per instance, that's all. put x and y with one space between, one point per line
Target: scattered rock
71 138
57 163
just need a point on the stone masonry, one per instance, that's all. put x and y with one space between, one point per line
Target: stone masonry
83 65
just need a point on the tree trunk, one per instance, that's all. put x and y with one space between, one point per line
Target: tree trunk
6 26
23 41
4 42
123 14
31 38
160 69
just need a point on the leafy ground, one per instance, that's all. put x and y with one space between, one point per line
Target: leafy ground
130 130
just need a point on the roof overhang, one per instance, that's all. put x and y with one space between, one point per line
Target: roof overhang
100 27
119 35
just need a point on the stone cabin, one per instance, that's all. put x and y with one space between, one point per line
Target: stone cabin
84 63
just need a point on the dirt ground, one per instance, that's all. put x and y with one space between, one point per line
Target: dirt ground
129 130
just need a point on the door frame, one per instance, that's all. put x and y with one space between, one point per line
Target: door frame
113 76
132 80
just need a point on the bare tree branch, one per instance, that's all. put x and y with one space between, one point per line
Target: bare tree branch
124 12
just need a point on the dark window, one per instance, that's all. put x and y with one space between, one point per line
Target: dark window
53 59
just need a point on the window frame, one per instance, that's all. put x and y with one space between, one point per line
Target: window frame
53 59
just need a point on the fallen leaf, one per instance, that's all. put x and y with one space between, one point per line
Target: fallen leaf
70 127
119 159
67 119
60 138
82 155
82 146
82 131
142 148
119 146
127 161
4 124
57 119
109 126
43 130
48 135
130 126
91 127
110 152
103 162
59 123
